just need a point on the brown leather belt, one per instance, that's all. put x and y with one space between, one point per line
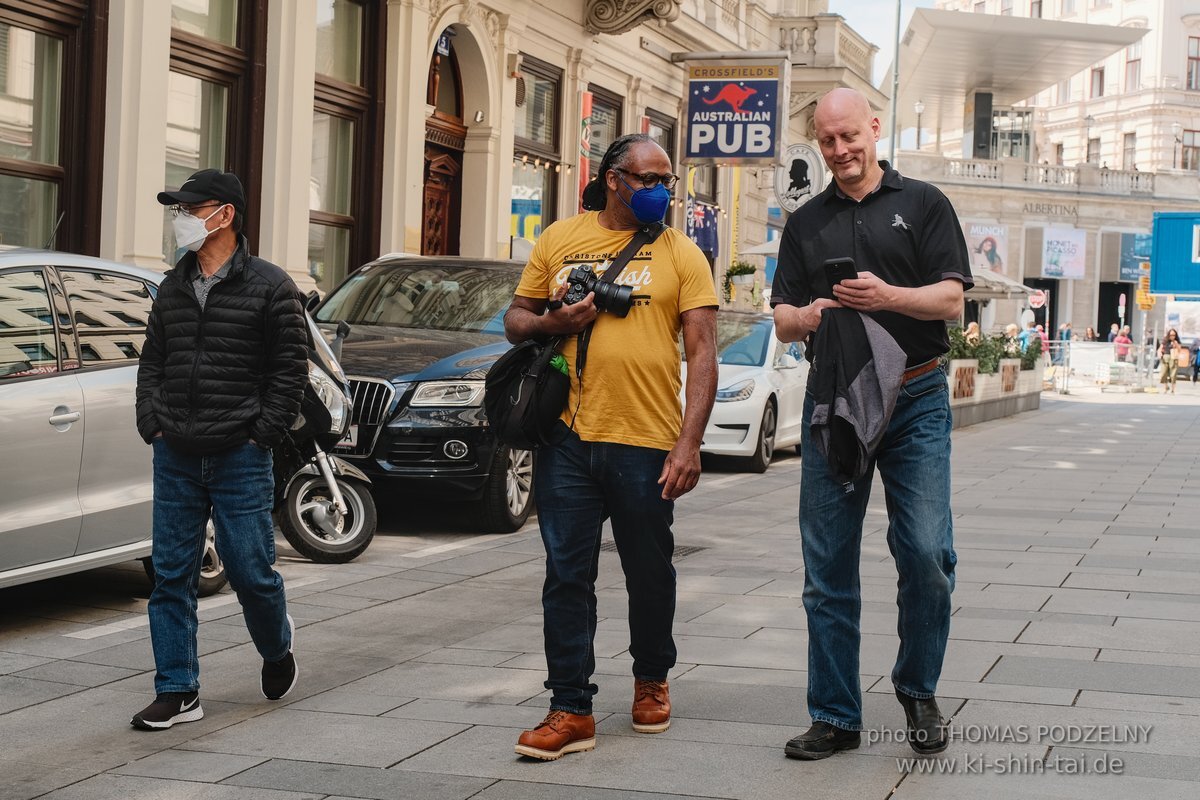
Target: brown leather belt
921 369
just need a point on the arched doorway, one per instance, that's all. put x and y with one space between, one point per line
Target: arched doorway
445 140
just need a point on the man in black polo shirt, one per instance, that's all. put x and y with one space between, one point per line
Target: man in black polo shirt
912 265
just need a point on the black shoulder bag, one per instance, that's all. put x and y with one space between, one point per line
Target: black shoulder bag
523 394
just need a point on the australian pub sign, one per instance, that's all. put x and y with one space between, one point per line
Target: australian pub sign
736 111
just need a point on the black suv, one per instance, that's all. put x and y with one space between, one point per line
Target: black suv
423 333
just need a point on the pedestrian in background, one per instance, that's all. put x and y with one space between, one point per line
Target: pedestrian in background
912 266
1171 354
972 334
1113 331
219 383
1089 334
1122 344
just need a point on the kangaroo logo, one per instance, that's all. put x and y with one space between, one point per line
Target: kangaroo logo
734 95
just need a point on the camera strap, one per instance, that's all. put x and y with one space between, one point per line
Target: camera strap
645 235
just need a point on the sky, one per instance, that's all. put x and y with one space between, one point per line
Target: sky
875 21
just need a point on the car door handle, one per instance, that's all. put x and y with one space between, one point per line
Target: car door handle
64 417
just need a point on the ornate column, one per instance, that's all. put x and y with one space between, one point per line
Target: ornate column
617 16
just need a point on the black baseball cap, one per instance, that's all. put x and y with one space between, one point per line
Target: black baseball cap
208 184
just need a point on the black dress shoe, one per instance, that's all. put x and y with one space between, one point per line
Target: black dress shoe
821 741
926 728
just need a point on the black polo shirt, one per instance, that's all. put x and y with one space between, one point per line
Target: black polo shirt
905 232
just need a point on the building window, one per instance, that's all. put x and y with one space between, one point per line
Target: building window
1190 155
1093 151
1193 62
537 156
981 8
662 130
607 111
51 124
1059 152
1101 3
1097 82
1129 151
1068 8
209 19
214 117
1035 9
1064 92
1133 67
346 170
1006 8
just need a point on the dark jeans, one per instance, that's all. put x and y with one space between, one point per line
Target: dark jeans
579 485
914 465
236 487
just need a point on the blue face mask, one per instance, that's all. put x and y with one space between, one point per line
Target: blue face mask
648 205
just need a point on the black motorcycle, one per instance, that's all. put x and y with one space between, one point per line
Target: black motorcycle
323 504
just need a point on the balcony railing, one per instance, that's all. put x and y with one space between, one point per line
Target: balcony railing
1081 179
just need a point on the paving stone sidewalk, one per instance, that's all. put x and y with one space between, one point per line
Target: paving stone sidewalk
1075 647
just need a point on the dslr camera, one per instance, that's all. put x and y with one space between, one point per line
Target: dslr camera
609 296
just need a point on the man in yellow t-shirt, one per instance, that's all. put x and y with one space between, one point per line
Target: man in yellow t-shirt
623 448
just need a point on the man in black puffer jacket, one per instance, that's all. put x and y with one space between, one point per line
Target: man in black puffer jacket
220 380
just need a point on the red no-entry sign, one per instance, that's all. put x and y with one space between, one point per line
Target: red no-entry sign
1037 299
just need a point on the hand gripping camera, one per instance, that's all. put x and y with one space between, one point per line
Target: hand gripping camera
609 296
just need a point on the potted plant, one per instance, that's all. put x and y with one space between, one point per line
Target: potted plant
740 273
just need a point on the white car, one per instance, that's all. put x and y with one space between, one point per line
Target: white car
760 391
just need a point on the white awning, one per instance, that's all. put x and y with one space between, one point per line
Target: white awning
991 285
947 56
770 248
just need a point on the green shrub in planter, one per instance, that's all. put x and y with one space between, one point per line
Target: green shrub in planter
736 268
1029 359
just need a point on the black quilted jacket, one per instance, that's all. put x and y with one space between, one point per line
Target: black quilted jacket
211 380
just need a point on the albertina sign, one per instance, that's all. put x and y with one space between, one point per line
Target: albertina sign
736 111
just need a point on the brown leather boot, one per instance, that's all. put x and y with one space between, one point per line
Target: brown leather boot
651 706
558 734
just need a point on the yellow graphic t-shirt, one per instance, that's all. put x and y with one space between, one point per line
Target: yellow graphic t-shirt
631 380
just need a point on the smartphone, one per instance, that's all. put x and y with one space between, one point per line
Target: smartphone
840 269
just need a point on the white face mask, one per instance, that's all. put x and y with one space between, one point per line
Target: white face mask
190 231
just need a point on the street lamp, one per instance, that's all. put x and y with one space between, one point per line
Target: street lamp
1177 132
919 107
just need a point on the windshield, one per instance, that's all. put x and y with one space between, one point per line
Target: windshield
441 297
741 340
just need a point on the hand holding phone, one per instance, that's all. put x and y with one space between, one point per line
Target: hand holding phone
838 270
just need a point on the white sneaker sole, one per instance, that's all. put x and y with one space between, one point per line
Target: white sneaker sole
553 755
196 713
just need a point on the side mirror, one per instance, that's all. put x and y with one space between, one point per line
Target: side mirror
311 300
786 361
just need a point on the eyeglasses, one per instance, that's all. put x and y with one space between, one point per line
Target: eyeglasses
650 179
176 210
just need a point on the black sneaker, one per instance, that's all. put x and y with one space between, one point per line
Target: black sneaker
167 709
279 677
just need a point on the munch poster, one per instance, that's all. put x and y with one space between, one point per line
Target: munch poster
987 246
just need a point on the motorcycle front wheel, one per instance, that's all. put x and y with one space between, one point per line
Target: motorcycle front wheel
310 525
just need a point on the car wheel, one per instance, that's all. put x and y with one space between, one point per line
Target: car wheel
766 441
212 571
508 496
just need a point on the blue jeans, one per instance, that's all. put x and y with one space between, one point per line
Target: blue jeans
579 485
914 465
236 487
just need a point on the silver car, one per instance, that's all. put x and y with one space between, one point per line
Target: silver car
75 479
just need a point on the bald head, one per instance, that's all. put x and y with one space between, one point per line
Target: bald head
847 130
843 102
